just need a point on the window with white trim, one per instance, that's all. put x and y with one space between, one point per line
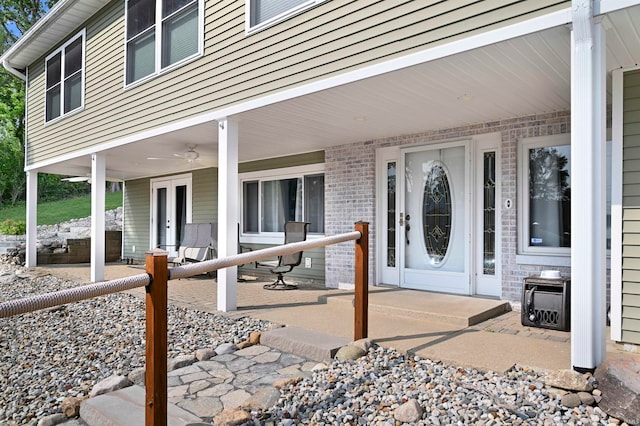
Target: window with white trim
265 12
544 177
161 34
545 204
64 70
270 200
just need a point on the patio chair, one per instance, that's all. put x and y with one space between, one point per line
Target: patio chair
198 243
293 233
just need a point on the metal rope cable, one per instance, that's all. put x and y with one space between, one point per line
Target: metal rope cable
76 294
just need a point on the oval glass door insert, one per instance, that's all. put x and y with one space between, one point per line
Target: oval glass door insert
436 212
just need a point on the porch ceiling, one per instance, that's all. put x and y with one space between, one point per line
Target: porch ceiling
526 75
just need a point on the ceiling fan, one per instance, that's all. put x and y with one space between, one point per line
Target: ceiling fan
191 155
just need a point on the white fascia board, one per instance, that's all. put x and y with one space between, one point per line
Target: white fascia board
608 6
35 29
540 23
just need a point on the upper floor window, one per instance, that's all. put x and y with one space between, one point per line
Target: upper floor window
269 201
64 70
264 12
160 34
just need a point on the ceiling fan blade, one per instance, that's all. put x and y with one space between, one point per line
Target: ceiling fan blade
76 179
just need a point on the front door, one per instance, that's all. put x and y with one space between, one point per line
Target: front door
171 210
434 218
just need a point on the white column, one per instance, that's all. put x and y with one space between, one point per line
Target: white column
227 211
32 220
588 156
98 182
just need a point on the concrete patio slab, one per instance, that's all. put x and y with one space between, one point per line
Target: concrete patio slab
461 311
408 320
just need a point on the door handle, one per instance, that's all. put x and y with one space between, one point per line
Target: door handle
407 228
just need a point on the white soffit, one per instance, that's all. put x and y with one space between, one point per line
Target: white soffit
514 78
64 18
623 38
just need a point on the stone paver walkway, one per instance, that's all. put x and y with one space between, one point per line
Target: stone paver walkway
242 378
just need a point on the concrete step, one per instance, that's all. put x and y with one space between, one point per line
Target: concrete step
65 235
460 311
7 245
79 229
305 343
126 407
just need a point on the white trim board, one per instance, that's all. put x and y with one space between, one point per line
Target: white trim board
608 6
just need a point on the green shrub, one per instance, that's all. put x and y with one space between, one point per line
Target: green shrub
13 227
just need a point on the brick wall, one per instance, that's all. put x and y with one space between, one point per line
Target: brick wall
350 191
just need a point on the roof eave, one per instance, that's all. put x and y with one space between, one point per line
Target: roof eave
24 51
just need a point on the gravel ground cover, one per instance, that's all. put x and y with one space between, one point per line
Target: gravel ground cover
372 391
48 355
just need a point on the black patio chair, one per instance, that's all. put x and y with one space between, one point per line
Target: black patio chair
293 232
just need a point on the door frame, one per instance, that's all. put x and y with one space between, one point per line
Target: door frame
169 182
385 274
487 285
477 146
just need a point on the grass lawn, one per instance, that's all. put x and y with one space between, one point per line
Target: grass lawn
61 211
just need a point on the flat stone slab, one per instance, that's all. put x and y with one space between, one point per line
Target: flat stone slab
304 343
619 381
126 407
459 311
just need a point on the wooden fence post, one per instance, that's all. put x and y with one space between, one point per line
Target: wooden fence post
156 356
361 320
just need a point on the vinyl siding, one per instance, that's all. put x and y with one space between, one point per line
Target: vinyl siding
281 162
205 196
136 204
332 38
631 210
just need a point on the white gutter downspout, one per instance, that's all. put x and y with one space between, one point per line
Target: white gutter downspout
14 71
588 136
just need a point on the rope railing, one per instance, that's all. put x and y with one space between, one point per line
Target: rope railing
155 280
49 300
257 255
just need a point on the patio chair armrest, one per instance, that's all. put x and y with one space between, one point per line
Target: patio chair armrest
267 263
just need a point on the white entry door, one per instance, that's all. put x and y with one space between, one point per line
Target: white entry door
170 211
435 218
